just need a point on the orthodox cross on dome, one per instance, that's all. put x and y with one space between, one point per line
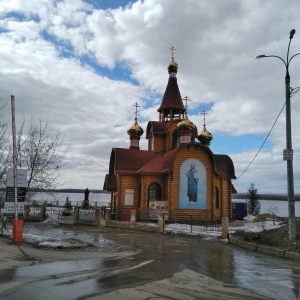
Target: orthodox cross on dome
186 99
204 118
172 49
136 105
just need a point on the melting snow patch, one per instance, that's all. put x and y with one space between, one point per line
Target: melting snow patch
260 226
65 243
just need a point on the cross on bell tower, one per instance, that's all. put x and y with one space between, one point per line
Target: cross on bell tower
204 113
186 99
136 105
172 49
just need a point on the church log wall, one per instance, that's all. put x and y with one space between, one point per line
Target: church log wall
169 139
223 184
128 182
159 143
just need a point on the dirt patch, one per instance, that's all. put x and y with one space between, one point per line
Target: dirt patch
278 237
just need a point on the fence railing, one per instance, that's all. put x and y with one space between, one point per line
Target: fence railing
178 216
68 215
148 214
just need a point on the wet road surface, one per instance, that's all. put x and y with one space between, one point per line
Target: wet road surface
123 264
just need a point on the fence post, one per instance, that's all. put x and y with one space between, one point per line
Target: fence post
97 215
26 211
108 215
42 212
225 232
132 218
76 213
161 221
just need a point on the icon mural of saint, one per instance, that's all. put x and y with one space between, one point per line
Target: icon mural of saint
192 187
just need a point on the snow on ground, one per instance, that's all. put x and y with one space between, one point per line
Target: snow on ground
251 225
248 224
51 242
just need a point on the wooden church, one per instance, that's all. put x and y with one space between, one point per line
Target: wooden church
178 174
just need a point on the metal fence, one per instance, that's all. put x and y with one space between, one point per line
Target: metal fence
66 215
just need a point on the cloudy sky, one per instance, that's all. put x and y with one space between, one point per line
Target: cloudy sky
83 64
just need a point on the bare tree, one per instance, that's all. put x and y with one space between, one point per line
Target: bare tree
253 202
4 149
40 150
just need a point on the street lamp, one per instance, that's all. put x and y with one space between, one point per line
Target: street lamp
288 152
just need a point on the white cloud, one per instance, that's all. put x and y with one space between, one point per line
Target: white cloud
215 42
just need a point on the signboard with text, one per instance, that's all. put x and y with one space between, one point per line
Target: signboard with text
288 154
9 205
21 178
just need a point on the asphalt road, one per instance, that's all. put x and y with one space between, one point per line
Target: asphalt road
124 264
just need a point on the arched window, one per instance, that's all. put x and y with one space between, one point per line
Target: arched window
176 139
151 142
154 192
139 196
217 198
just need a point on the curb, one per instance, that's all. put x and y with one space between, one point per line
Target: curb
264 249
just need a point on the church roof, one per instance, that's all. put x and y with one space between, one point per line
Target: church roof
159 128
162 163
224 165
148 162
129 160
110 182
144 161
172 98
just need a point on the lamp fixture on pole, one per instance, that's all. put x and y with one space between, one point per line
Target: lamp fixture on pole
288 152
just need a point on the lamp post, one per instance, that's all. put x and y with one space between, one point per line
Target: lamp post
288 152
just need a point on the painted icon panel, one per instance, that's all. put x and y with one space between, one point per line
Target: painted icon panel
192 189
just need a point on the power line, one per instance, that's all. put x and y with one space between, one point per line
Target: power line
262 143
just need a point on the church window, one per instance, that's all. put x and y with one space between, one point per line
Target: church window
217 197
154 192
140 195
176 139
151 142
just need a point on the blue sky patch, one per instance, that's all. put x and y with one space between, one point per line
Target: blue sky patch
108 4
235 144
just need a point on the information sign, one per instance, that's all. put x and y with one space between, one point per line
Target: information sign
287 154
9 205
21 178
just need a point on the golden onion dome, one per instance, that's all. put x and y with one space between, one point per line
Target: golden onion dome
172 67
135 130
205 137
186 124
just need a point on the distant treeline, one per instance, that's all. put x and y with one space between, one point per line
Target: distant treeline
265 196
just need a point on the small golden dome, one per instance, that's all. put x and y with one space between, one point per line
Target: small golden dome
186 124
205 137
135 130
172 67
